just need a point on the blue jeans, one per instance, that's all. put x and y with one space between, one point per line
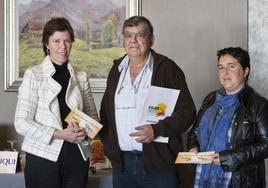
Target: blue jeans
134 176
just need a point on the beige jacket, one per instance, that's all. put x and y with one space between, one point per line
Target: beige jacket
38 113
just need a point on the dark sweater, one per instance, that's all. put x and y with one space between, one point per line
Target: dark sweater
62 76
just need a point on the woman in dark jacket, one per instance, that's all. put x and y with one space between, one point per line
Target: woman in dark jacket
233 122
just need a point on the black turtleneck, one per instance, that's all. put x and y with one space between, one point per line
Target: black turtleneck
62 76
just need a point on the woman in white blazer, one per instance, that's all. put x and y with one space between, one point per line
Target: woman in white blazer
56 153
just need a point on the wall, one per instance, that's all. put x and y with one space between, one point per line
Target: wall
258 45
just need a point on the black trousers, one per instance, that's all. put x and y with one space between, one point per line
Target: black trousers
68 172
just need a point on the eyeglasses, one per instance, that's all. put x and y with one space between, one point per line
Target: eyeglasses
140 35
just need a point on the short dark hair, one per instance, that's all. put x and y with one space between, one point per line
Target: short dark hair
239 54
136 20
53 25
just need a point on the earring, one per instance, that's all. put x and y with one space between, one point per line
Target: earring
47 51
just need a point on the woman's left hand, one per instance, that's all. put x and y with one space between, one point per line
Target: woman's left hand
80 132
216 159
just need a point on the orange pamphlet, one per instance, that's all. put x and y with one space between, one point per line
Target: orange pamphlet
84 121
193 158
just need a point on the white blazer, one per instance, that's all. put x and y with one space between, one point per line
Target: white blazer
38 113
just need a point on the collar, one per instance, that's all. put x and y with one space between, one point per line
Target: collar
222 91
50 69
125 62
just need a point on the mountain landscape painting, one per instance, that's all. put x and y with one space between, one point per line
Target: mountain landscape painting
97 25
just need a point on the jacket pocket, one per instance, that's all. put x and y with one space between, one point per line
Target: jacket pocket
249 176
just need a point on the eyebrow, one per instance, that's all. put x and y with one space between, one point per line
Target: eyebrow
141 31
228 63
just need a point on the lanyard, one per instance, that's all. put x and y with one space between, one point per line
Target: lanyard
136 88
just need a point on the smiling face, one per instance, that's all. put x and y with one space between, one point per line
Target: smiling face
59 45
231 74
137 41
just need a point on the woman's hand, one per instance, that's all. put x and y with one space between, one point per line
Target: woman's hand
73 133
216 159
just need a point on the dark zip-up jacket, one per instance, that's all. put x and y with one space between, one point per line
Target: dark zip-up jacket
157 156
249 139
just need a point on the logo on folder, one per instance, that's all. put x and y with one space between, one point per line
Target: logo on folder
158 110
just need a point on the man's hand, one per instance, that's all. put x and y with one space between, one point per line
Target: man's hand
144 134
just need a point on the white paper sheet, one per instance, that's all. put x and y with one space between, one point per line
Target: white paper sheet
159 104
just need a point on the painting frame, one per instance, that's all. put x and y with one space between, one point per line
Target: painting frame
11 46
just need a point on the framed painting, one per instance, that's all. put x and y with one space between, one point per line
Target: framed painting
97 26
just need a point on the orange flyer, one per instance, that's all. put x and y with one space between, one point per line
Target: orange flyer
84 121
192 158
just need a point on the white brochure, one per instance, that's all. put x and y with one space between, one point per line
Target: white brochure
159 104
